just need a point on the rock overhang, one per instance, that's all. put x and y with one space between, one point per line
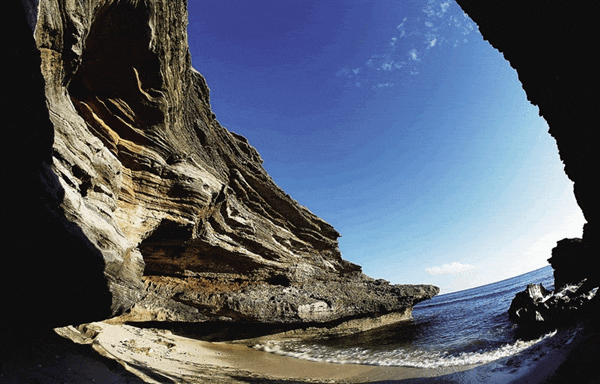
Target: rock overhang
179 211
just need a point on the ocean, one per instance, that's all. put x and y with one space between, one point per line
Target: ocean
457 329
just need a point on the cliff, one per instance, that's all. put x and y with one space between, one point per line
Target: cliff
551 45
125 196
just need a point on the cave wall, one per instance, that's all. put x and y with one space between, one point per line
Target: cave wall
50 272
132 197
551 45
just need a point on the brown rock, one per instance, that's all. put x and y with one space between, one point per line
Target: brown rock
175 215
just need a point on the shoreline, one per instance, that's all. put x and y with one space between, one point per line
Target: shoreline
176 358
107 353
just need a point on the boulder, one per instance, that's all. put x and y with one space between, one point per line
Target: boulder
536 306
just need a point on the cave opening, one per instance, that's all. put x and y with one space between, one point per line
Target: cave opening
413 137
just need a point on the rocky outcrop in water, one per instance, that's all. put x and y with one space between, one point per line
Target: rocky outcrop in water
550 46
537 306
132 198
575 287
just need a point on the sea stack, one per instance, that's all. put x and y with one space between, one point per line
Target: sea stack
125 196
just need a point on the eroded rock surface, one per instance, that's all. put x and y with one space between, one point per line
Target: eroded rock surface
179 217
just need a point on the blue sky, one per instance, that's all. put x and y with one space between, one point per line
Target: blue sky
396 123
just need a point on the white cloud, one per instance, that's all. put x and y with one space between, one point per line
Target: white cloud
450 269
462 282
443 25
429 11
401 28
468 29
444 6
413 54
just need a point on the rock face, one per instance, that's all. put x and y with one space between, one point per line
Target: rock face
575 282
548 43
137 199
574 260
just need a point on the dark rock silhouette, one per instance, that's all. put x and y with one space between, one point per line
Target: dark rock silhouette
51 273
551 46
536 306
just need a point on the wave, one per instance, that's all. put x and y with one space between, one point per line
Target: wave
397 357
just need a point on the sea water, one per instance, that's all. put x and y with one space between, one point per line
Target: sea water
455 329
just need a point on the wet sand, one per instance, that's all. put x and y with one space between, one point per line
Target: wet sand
175 358
116 353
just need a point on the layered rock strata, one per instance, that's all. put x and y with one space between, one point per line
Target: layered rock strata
550 45
147 205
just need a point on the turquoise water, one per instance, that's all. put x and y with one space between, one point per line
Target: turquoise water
455 329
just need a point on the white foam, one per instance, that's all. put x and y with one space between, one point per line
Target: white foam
397 357
592 293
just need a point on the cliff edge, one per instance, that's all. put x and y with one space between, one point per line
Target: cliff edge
127 197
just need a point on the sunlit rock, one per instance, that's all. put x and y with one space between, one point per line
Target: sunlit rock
155 211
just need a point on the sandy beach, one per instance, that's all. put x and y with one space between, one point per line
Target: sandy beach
117 353
175 358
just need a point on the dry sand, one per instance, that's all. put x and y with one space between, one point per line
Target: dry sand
127 354
174 358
